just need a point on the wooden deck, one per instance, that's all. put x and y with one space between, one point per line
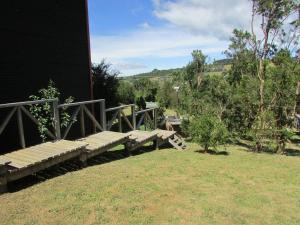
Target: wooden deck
103 141
164 135
30 160
138 138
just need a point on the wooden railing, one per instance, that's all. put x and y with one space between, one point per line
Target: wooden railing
81 109
118 114
146 117
20 107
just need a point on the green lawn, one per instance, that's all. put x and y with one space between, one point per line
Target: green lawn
166 187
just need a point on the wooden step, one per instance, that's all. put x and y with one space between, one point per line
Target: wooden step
177 142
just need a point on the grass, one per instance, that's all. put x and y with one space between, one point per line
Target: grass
166 187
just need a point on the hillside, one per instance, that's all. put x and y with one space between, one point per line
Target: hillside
216 67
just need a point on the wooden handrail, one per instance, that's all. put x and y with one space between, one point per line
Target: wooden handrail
15 104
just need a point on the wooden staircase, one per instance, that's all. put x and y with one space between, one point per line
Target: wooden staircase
177 142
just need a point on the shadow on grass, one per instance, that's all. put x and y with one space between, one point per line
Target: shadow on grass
292 152
212 152
74 165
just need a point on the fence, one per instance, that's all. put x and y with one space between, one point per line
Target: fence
20 107
80 109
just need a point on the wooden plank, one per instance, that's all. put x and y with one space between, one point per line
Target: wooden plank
15 163
18 158
4 161
34 155
17 174
27 156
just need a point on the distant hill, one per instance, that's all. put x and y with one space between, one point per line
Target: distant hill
217 67
155 74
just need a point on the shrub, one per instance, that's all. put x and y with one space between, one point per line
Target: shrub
208 131
44 113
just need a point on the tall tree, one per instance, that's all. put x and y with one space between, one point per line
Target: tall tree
272 14
105 83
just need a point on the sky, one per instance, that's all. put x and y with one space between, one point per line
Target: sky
138 36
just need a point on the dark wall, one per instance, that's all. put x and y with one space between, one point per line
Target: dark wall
41 40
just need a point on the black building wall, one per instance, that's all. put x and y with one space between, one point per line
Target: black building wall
42 40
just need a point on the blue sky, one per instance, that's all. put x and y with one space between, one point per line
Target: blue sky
141 35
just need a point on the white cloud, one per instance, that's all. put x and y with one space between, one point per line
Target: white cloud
128 66
152 42
189 25
213 17
145 25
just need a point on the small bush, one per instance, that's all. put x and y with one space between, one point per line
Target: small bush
208 131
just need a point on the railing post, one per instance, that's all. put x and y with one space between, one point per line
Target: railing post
120 120
155 118
21 128
3 179
56 119
103 115
82 126
133 117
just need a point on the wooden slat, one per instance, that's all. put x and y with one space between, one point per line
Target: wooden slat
34 155
4 161
27 156
20 158
15 163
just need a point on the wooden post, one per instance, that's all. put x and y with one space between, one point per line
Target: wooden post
56 120
103 115
155 118
155 144
127 150
133 117
82 126
21 128
3 179
83 159
120 120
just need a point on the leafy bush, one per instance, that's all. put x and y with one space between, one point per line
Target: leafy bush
44 112
208 131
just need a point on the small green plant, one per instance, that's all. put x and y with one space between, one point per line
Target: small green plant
208 131
44 112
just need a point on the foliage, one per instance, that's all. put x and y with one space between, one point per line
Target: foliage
105 83
44 112
165 95
208 131
140 102
126 92
146 88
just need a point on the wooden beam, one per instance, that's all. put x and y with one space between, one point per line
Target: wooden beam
90 115
49 133
7 119
72 120
21 128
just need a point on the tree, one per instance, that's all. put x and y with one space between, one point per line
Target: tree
126 93
208 131
105 83
165 94
272 13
